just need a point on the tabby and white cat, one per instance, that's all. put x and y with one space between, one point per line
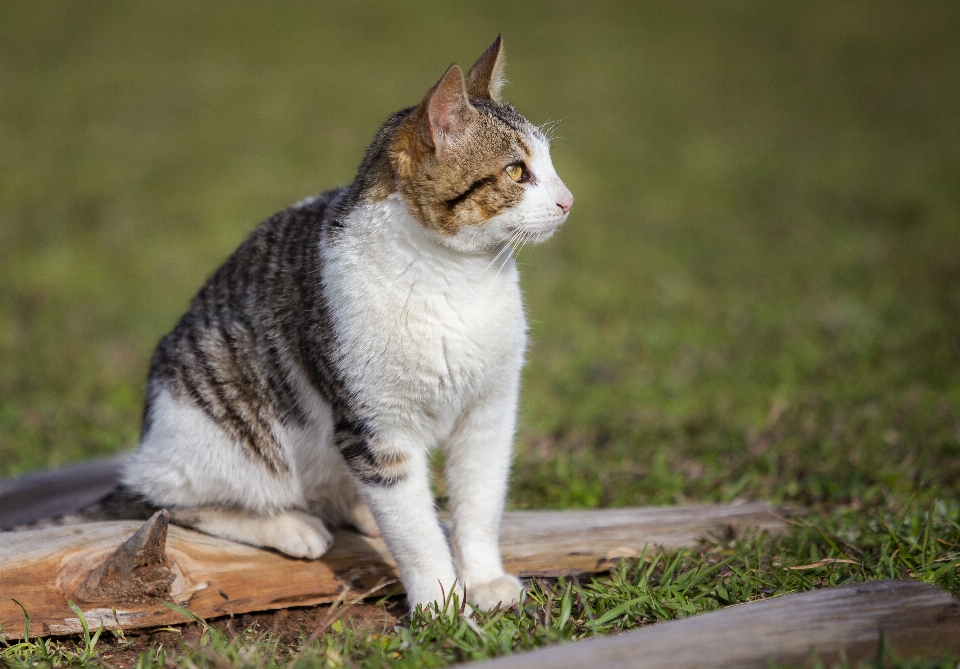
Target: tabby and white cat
353 333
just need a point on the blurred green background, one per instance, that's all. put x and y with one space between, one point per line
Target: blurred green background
757 293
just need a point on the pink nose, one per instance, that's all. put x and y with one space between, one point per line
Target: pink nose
565 201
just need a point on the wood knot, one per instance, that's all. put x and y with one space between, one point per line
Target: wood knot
137 571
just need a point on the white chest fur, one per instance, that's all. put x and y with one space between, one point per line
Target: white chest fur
423 330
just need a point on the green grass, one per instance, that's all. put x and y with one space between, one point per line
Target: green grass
757 294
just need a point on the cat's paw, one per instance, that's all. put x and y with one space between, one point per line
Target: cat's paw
504 591
435 599
296 534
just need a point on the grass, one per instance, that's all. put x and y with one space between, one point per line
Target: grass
757 294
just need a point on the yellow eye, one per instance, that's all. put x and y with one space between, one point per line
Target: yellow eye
515 172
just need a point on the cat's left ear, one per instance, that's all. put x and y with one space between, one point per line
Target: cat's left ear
448 112
485 78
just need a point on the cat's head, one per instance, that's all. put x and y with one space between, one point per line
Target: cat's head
471 168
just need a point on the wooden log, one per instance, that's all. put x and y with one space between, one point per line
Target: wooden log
45 568
915 619
554 543
57 492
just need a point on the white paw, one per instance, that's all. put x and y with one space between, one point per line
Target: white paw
504 591
297 534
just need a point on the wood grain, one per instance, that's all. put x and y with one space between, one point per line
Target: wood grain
916 619
45 568
552 543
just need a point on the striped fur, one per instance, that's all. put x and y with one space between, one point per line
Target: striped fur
354 332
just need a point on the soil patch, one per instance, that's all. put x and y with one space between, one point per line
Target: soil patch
289 626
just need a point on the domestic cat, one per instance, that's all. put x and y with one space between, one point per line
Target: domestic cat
354 332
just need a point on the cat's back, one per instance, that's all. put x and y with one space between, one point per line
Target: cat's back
232 352
270 268
267 275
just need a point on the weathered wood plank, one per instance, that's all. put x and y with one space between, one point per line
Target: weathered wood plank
916 619
45 568
551 543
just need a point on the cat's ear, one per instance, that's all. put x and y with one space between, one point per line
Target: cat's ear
485 78
448 112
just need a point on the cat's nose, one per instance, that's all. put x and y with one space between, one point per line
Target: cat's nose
565 201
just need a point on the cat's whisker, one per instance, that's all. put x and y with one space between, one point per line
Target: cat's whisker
511 244
527 235
549 129
500 268
506 247
530 237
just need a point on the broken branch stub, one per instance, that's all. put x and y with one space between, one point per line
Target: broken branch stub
137 571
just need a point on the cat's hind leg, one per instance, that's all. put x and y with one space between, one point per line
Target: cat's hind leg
362 519
188 464
293 533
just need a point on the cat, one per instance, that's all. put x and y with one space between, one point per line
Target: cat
353 333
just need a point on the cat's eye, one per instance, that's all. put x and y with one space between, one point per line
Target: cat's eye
515 172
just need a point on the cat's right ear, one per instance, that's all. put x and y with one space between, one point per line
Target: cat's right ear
447 112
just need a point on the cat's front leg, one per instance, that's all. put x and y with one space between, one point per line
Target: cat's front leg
395 483
477 468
